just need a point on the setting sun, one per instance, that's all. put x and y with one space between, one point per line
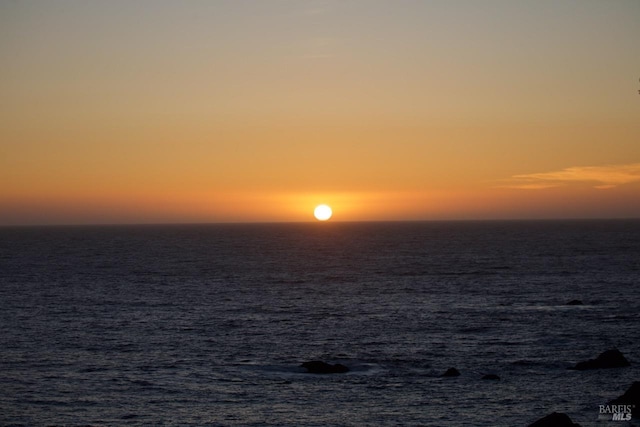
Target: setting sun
322 212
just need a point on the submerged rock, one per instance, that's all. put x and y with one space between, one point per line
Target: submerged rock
451 372
490 377
319 367
609 359
555 419
575 302
630 397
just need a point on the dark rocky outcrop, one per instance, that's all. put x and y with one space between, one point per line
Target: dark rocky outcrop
491 377
575 302
630 397
451 372
555 419
609 359
319 367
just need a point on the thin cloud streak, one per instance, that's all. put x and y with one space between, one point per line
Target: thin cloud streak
601 177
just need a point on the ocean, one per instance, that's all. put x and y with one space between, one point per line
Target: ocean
208 324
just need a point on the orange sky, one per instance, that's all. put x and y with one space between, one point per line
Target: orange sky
247 110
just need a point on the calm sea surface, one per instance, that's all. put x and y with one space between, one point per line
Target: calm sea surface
208 324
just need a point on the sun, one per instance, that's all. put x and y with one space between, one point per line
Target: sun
322 212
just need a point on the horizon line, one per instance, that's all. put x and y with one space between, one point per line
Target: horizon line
320 223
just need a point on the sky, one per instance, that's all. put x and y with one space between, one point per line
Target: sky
159 111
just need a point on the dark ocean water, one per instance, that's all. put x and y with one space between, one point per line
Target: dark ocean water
208 324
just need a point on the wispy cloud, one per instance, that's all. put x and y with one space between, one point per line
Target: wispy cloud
318 47
601 177
316 55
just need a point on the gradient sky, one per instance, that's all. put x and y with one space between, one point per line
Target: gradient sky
258 110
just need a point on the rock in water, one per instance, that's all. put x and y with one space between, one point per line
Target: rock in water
574 302
630 397
491 377
451 372
609 359
319 367
555 419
